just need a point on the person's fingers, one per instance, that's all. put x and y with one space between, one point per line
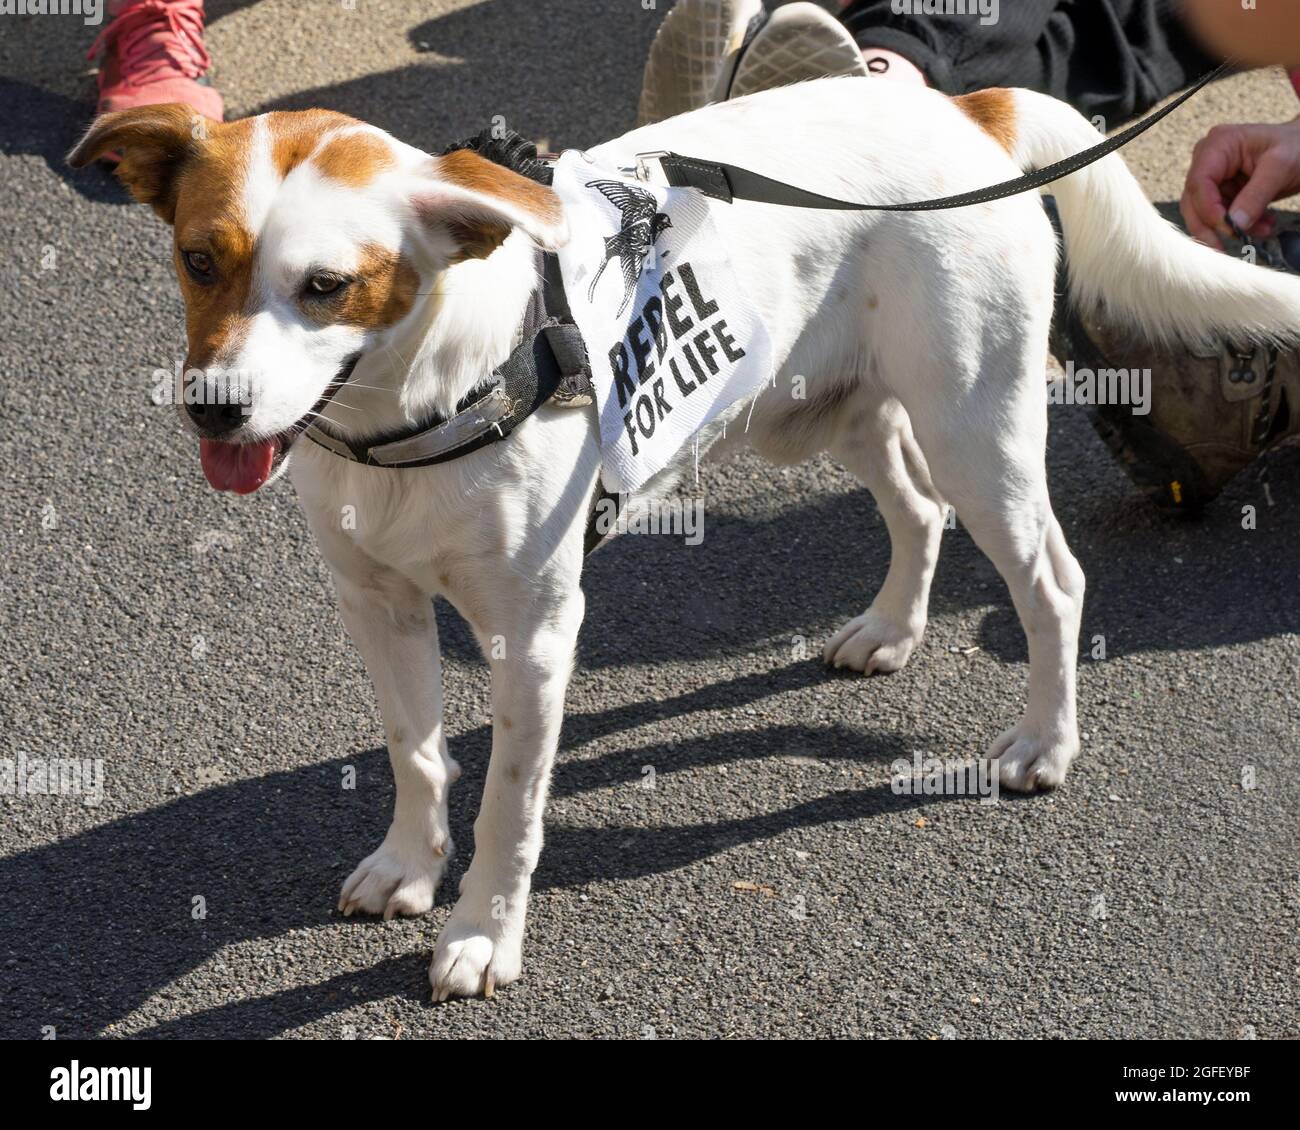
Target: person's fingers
1233 185
1216 160
1197 227
1204 200
1272 176
1266 228
1237 171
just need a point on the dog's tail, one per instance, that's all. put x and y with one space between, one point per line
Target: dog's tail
1121 251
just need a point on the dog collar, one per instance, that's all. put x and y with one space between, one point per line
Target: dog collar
549 363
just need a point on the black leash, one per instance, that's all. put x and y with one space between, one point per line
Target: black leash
731 182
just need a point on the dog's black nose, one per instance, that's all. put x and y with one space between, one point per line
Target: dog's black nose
215 419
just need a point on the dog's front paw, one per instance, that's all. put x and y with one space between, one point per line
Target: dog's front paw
400 877
1029 760
476 951
872 643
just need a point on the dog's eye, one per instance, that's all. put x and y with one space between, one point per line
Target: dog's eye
198 263
323 283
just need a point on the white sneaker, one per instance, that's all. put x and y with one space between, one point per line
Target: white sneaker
798 42
695 54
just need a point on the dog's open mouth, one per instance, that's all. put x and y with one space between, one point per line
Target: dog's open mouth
244 467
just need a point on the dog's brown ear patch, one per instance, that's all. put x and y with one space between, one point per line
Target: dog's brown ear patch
481 202
478 174
994 111
154 142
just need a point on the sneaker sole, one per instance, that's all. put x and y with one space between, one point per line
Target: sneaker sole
698 44
799 42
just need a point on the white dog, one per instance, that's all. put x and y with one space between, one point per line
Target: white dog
311 247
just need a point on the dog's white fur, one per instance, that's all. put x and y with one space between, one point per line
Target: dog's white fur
923 339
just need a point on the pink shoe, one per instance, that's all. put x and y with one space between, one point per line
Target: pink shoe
153 53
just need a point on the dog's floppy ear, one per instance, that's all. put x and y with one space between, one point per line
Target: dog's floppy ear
478 203
154 141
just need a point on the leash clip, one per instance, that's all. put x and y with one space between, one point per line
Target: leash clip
642 168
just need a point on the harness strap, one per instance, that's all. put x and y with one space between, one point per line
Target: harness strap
726 182
533 372
605 507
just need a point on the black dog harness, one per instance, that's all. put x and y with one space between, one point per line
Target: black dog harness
550 362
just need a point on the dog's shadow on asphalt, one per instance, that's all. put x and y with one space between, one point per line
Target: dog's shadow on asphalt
116 915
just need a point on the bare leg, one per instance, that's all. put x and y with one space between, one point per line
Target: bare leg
889 64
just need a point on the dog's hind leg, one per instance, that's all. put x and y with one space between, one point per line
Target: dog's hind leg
878 447
1046 587
984 433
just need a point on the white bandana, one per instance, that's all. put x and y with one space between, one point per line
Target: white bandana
671 336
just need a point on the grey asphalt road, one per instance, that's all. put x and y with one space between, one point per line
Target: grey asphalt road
771 883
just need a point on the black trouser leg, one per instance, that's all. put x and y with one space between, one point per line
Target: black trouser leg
1112 59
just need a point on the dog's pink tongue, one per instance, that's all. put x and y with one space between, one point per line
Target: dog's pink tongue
241 467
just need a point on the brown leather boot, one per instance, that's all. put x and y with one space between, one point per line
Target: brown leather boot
1212 411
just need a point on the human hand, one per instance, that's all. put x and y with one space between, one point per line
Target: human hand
1237 171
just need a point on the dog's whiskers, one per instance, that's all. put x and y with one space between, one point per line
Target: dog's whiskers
333 404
